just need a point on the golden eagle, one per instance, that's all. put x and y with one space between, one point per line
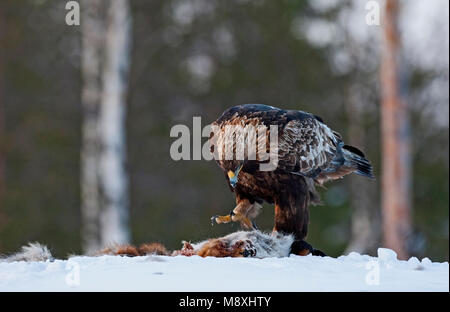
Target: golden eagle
308 153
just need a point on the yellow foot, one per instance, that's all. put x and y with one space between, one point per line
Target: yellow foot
221 219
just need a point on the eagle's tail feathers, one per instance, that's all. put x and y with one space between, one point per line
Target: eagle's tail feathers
357 160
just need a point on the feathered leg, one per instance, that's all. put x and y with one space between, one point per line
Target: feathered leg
291 209
292 215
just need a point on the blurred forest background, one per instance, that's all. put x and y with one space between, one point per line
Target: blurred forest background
197 58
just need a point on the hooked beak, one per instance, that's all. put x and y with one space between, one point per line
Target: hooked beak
233 176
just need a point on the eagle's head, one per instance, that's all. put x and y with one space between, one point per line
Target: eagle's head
233 175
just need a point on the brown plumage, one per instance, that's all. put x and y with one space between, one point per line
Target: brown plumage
309 153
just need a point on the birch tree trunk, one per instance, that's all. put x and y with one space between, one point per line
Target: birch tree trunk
396 162
92 41
113 177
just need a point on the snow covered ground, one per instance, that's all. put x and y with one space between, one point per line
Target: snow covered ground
354 272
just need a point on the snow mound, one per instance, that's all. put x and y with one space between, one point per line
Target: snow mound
386 255
353 272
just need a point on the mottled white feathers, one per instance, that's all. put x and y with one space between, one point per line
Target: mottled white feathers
307 145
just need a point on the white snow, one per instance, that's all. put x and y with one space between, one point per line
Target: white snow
353 272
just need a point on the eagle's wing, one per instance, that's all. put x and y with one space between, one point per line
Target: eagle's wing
307 146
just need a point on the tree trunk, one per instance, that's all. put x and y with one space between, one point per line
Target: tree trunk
113 176
395 141
92 41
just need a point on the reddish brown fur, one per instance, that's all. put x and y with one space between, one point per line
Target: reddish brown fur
124 250
219 248
153 248
133 251
187 250
127 250
212 248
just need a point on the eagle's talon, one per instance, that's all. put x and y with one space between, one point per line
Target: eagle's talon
221 219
